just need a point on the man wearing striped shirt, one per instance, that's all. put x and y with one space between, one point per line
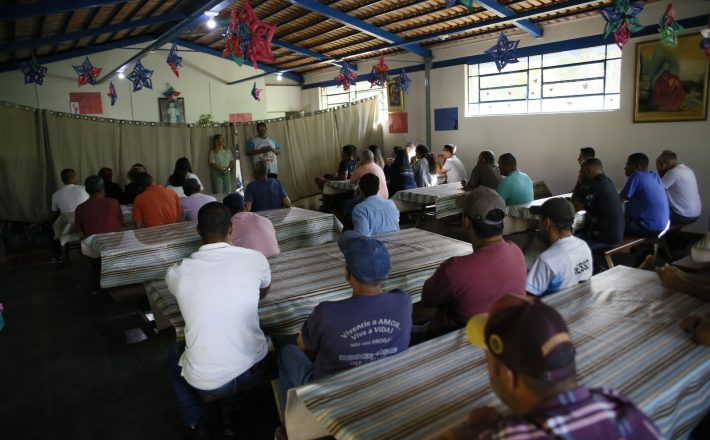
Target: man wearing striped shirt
532 369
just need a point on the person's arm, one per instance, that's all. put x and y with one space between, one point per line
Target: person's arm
137 214
504 191
285 202
437 289
361 223
538 279
698 328
118 213
673 278
479 420
342 171
299 342
247 206
472 182
277 148
629 189
578 205
179 208
263 291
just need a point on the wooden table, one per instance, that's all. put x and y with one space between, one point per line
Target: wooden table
136 256
303 278
624 325
443 197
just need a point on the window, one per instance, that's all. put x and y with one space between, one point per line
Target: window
578 80
335 96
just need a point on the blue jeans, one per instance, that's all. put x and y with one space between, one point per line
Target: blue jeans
189 403
295 369
593 244
677 219
634 229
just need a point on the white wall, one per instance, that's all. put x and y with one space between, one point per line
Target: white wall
547 145
202 84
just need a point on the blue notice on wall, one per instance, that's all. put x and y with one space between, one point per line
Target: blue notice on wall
446 119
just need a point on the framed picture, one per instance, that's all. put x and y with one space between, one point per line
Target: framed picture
395 99
173 111
671 83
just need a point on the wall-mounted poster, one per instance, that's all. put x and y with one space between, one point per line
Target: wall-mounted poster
395 99
85 103
172 111
398 123
446 119
671 83
240 117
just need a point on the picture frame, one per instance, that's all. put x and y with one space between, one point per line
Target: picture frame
172 111
395 99
671 84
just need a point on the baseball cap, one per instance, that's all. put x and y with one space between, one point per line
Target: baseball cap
559 210
479 203
235 202
527 335
367 259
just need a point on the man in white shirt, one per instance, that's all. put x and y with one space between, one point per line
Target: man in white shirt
218 290
452 166
681 187
64 201
567 261
262 148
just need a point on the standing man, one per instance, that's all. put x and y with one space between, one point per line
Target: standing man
262 148
531 367
647 211
516 188
218 290
682 188
567 261
451 165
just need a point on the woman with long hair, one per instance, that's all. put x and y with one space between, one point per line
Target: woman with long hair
399 174
222 164
377 155
425 167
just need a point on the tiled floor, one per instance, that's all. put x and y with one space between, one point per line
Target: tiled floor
67 371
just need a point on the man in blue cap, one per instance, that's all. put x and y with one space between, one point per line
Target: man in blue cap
338 335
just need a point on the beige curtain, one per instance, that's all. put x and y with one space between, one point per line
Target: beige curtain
23 169
358 125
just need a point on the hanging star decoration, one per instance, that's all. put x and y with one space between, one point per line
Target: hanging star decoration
402 83
171 93
467 3
174 60
256 92
112 93
705 42
140 77
34 73
503 53
668 27
379 75
346 77
87 73
247 37
622 20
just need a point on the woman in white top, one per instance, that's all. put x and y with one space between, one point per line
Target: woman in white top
424 167
182 172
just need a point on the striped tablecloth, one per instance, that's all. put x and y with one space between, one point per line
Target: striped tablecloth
338 187
625 328
303 278
442 196
136 256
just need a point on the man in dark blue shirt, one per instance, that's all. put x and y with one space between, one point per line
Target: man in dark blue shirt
265 192
647 210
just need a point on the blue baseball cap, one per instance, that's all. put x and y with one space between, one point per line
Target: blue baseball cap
367 259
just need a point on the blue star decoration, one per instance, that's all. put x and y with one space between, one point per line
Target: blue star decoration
174 61
140 77
88 74
112 93
402 83
503 53
34 73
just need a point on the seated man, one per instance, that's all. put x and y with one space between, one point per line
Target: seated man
596 194
484 173
265 192
584 154
567 261
697 285
451 165
346 167
64 200
131 190
193 200
111 189
516 188
218 290
464 286
155 205
682 188
531 367
250 230
368 166
97 215
342 334
647 212
374 215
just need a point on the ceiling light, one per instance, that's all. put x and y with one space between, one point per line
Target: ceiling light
211 23
280 76
121 75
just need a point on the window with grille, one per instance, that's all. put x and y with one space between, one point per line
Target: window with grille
335 96
578 80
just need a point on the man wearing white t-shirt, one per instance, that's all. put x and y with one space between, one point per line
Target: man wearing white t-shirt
567 261
452 166
262 148
681 187
64 201
218 290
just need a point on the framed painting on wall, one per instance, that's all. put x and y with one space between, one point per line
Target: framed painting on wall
173 111
395 99
671 83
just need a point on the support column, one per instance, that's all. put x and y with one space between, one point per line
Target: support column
427 101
